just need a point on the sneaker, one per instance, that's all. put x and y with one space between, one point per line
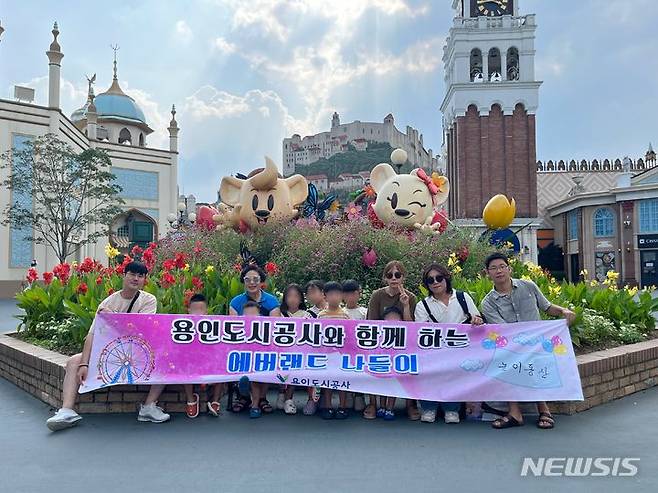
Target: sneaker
214 408
327 413
64 418
152 413
280 400
341 413
428 416
381 412
359 403
289 407
452 417
389 415
310 408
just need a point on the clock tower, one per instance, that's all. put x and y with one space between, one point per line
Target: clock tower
489 111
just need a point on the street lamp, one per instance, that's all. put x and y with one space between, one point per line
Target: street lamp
398 158
182 219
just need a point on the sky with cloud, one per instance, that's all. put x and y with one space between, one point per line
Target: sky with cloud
244 74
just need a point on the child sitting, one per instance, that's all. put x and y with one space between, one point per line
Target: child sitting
333 293
199 306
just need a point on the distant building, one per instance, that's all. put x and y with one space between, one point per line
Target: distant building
299 152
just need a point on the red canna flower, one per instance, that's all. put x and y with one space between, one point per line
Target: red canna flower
153 246
168 264
63 272
180 260
237 267
167 280
82 288
271 268
99 280
48 277
197 283
32 275
137 250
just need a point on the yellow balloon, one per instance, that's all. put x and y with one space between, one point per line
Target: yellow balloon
493 335
499 212
560 349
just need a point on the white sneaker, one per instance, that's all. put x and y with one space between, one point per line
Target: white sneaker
359 403
152 413
452 417
428 416
280 401
64 418
289 407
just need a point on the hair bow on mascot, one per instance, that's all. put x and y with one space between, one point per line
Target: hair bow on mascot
408 200
259 198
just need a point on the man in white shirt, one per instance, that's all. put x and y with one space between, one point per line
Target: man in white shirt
130 299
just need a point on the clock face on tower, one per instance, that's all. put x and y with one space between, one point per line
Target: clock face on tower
491 8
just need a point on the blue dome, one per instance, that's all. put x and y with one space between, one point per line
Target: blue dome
119 106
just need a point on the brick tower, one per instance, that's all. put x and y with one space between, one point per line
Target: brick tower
489 112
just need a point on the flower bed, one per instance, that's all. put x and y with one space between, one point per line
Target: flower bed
59 305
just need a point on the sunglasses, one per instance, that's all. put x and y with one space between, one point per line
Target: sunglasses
431 280
396 274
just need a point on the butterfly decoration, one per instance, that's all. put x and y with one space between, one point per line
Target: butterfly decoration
247 256
313 206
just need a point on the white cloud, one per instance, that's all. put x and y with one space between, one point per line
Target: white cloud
183 31
224 46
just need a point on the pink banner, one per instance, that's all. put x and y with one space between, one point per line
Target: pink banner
530 361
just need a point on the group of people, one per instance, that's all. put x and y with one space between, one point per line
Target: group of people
510 301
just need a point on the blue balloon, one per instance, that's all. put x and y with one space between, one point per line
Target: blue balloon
488 344
548 346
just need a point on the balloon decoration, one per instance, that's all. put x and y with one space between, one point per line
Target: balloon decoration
497 215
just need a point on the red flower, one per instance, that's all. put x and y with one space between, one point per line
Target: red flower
153 246
48 277
167 280
82 288
187 295
197 283
63 272
148 258
197 247
122 268
137 250
271 268
168 264
99 280
32 275
237 267
87 265
180 260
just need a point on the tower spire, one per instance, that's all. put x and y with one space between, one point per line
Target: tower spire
115 88
115 48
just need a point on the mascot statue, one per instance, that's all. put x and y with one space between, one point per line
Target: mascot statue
259 198
409 201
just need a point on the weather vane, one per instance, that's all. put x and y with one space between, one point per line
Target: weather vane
115 48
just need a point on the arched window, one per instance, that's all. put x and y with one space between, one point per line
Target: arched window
124 136
512 64
604 222
494 63
141 139
476 63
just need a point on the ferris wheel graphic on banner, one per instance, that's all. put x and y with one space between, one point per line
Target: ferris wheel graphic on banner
126 359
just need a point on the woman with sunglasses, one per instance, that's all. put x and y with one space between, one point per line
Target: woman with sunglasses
393 294
444 305
253 277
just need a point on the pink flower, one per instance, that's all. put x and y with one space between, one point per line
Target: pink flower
369 258
32 275
48 277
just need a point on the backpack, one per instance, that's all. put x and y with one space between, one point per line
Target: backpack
461 299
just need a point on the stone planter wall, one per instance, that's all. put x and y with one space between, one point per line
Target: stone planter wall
606 375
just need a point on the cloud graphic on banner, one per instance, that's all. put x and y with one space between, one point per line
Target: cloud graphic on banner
471 365
526 339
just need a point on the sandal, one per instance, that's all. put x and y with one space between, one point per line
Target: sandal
545 421
507 421
214 408
265 406
192 408
241 404
370 412
413 413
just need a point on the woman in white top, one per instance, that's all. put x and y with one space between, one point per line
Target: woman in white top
444 305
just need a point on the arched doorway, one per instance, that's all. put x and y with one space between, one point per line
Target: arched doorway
130 228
